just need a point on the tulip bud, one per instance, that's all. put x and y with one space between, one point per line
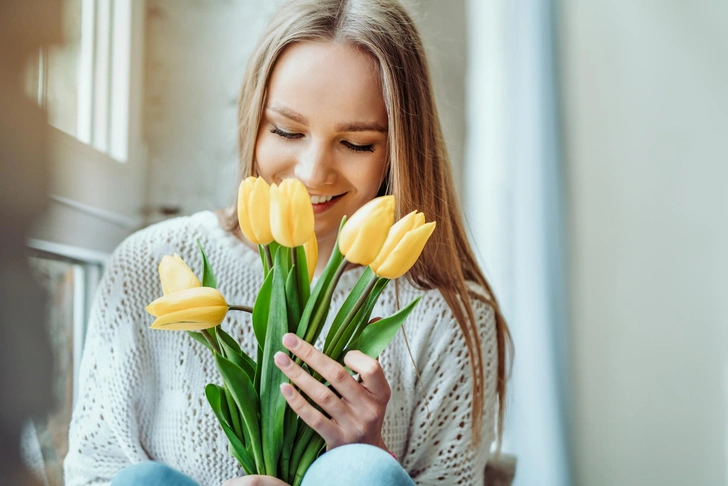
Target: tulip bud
291 213
311 249
192 309
254 210
363 235
403 247
176 275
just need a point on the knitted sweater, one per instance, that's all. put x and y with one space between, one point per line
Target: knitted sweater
141 391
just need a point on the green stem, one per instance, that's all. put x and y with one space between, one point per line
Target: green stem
268 258
312 452
211 340
244 308
327 298
294 257
344 325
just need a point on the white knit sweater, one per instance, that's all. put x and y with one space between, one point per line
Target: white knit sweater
141 391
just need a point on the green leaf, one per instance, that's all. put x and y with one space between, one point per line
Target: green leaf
317 307
214 395
258 370
246 399
232 351
289 434
208 277
312 452
376 336
261 309
263 259
274 246
234 414
303 438
292 300
373 297
304 286
197 336
359 322
273 403
351 299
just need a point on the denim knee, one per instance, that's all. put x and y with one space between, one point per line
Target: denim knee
357 465
151 473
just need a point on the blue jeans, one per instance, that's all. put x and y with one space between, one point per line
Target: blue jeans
353 465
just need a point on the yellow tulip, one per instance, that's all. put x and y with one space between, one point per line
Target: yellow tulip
291 213
192 309
311 248
254 210
363 235
403 247
176 275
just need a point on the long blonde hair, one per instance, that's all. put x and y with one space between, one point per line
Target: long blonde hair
419 172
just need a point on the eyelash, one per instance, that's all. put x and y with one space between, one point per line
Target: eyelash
349 145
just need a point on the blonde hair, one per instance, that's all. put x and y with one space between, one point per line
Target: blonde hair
419 172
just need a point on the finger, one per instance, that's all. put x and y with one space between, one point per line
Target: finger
332 371
370 371
315 419
315 390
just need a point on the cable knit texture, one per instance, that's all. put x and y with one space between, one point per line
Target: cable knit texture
141 391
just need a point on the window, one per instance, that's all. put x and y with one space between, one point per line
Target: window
91 87
69 278
86 83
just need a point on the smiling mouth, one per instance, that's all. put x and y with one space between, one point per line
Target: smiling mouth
323 203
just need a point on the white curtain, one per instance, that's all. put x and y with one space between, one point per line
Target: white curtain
512 199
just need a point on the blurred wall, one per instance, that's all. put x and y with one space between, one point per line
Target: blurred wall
196 54
646 121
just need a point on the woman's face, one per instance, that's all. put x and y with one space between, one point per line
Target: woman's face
325 123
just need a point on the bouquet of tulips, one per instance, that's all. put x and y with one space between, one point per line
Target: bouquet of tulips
265 435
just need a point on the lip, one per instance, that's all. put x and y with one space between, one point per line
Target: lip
323 207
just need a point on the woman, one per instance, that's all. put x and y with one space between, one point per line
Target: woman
337 94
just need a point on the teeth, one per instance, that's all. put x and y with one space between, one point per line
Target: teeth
320 199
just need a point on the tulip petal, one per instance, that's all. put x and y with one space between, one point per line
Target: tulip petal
191 319
301 215
175 275
363 235
398 230
311 249
259 212
186 299
279 216
244 191
406 253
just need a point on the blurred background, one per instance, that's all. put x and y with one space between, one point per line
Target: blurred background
589 139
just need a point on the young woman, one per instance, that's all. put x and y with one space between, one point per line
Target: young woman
338 95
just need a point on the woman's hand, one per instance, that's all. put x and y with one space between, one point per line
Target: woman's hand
254 480
358 415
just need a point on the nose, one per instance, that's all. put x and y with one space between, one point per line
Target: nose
315 167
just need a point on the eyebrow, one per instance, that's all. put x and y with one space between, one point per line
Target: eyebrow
340 127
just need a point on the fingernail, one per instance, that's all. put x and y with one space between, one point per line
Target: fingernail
290 340
281 359
287 390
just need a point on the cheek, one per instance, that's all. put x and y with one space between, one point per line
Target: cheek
269 158
368 176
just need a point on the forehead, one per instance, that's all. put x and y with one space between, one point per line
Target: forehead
328 80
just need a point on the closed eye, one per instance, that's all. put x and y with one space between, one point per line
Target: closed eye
284 134
358 148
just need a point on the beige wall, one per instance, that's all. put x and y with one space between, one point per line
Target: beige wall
646 99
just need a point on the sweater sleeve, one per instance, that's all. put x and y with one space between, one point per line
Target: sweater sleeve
103 435
439 452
